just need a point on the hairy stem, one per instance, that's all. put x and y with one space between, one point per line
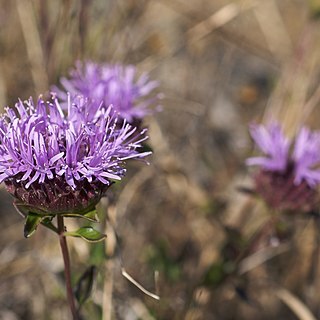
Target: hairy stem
67 272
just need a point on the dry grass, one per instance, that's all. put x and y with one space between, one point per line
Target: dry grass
222 64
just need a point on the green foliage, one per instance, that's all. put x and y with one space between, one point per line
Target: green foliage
84 286
315 8
31 225
214 275
231 250
214 207
218 272
47 222
90 216
33 219
159 259
87 233
97 253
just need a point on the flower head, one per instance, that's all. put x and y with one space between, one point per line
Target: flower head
287 180
303 161
306 157
61 163
273 143
111 84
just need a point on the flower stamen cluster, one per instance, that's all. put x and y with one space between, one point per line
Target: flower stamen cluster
111 84
287 179
43 148
303 160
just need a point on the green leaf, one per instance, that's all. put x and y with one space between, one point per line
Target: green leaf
215 275
48 224
25 209
91 215
84 286
97 253
32 222
87 233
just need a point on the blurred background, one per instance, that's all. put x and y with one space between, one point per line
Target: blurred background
185 229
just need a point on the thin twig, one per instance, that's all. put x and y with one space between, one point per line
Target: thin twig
295 304
218 19
109 271
67 272
108 289
3 88
261 257
273 28
138 285
311 104
33 45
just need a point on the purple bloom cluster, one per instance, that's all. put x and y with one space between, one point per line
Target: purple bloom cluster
115 85
41 147
272 142
306 157
303 160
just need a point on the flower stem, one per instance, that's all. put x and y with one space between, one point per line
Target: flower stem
67 272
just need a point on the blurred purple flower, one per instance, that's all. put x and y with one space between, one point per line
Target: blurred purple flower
303 160
59 163
306 157
130 94
273 143
287 180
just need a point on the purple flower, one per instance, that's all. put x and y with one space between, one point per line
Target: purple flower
306 157
273 144
302 162
118 85
61 163
287 180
